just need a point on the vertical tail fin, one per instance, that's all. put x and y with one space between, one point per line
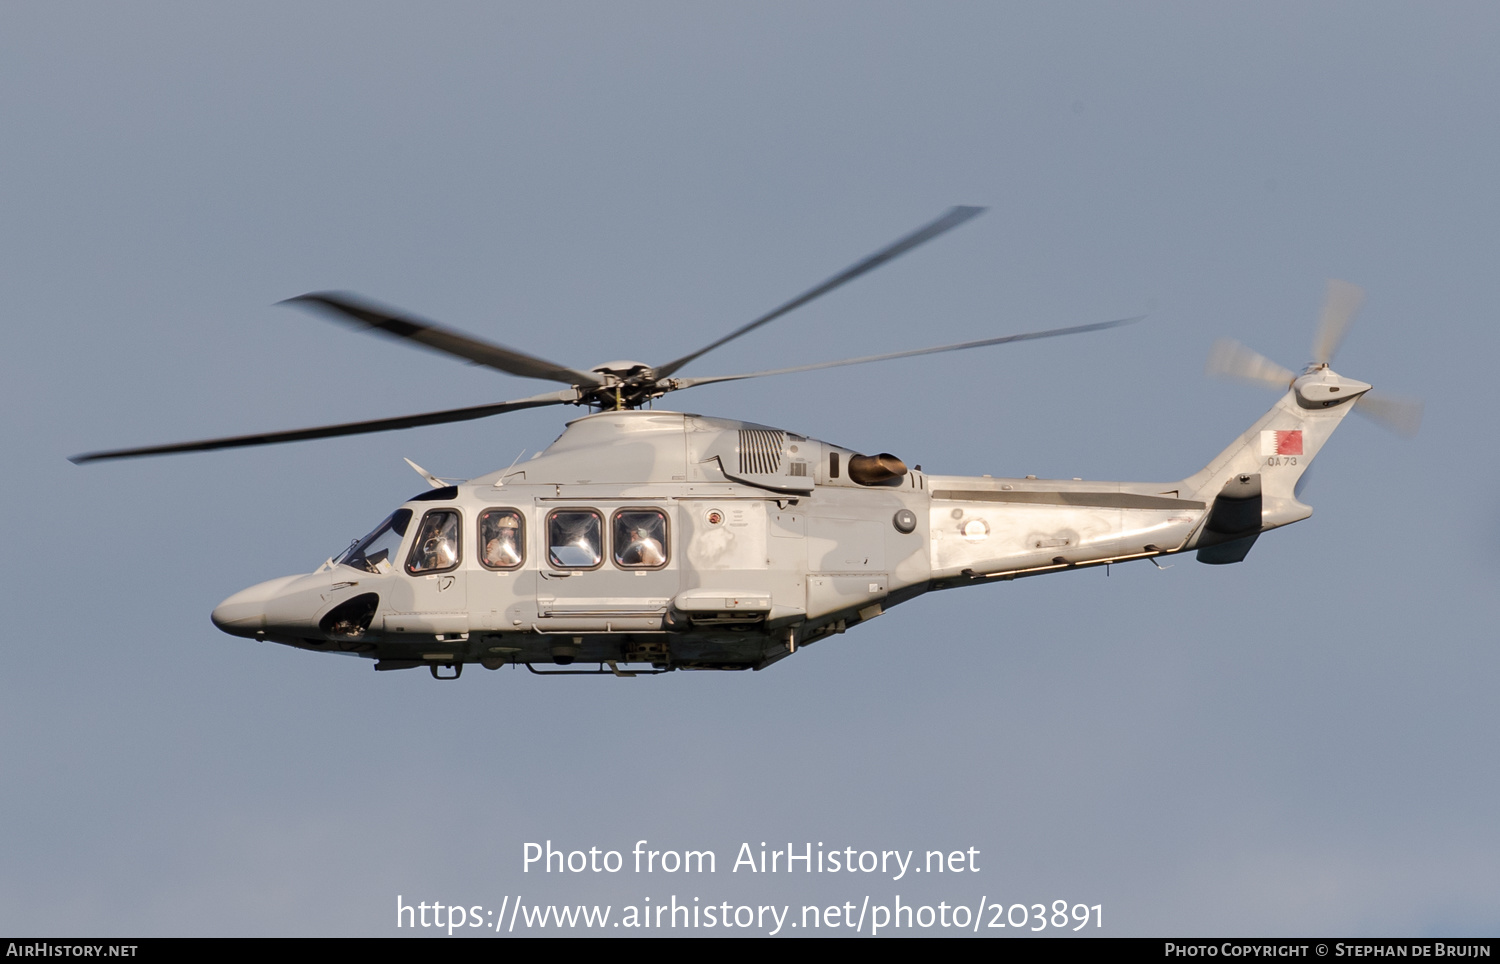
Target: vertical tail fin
1253 483
1260 469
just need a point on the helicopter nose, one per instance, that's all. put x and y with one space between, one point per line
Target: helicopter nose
244 613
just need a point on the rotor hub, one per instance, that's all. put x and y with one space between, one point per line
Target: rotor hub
622 370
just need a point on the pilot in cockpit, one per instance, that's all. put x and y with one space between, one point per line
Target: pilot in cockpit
438 548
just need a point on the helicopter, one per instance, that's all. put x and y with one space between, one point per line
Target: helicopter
644 541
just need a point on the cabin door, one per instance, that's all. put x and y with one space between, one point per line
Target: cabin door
612 568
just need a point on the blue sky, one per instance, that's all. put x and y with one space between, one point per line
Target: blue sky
1300 744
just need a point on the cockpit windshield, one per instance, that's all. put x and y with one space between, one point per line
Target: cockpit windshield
374 552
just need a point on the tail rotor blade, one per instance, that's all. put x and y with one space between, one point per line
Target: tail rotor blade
1397 413
1339 305
1230 359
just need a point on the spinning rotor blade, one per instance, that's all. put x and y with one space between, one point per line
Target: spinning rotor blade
1026 336
347 308
1230 359
952 219
332 431
1339 305
1397 413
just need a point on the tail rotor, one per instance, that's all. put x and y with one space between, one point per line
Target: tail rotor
1400 414
1340 304
1230 359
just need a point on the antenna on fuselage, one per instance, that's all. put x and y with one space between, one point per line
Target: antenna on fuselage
432 480
501 481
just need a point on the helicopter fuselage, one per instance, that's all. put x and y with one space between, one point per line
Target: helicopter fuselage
688 542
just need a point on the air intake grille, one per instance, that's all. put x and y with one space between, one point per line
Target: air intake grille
760 451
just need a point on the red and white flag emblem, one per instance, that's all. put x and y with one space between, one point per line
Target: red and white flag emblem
1281 443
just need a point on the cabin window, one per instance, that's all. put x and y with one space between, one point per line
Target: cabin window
502 539
575 539
640 538
436 548
374 552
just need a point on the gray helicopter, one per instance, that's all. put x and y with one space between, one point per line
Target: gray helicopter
644 541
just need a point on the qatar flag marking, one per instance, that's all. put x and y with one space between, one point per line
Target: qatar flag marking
1281 443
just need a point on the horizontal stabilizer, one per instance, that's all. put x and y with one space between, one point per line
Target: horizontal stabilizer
1233 523
1227 552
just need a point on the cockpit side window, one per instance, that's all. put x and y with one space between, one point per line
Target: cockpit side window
375 551
575 539
436 548
502 539
640 538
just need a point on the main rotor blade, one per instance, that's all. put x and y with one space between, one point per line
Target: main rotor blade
1397 413
952 219
348 308
331 431
1339 305
1230 359
1005 339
